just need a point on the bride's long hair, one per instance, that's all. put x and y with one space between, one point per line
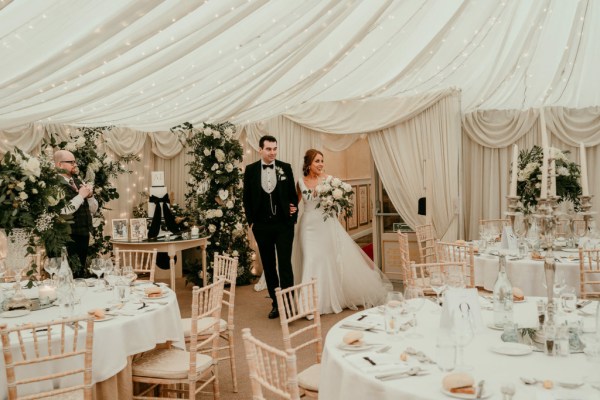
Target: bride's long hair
309 156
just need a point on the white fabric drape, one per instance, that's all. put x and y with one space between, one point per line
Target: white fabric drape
399 152
487 140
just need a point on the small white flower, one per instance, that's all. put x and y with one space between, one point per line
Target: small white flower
235 253
214 167
336 182
21 185
210 214
212 228
34 191
229 204
229 167
31 167
217 134
23 196
337 193
220 155
206 152
71 146
207 131
80 142
564 171
96 222
228 133
218 213
347 187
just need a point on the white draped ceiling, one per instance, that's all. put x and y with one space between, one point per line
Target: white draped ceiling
314 68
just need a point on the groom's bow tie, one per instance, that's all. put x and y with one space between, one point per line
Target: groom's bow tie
265 166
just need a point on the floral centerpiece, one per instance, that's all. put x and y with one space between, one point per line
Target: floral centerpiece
214 193
335 197
529 176
31 199
99 169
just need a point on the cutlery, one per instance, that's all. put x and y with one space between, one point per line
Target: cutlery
583 304
508 391
570 385
413 371
362 317
369 360
529 381
361 328
144 305
480 389
384 349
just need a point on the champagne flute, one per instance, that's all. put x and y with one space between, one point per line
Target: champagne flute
414 298
437 281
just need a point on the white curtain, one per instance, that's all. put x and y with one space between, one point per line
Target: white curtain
399 152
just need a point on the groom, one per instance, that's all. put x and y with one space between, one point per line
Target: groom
270 203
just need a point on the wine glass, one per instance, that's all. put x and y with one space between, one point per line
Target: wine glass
79 289
462 333
455 279
129 274
520 227
393 309
414 298
437 281
533 233
96 267
560 282
568 299
51 266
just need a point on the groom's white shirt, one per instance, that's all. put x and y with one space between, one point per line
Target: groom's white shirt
268 179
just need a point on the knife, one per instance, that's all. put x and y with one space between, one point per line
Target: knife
480 389
369 360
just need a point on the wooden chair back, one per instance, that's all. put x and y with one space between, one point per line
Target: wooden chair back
142 261
206 303
496 224
296 302
420 273
31 346
426 242
461 252
404 257
589 273
270 368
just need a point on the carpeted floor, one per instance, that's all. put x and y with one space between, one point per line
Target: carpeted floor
251 309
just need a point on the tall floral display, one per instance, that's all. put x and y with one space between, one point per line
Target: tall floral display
99 169
214 193
529 175
31 200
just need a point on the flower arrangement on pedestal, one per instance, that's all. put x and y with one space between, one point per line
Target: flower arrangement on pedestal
31 198
99 169
568 174
214 194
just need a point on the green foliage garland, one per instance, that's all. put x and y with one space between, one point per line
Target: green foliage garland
214 193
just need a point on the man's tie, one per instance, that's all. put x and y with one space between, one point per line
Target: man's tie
72 183
265 166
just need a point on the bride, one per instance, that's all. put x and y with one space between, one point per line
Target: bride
346 276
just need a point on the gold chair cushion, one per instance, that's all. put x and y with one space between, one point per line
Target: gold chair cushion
203 324
168 364
309 378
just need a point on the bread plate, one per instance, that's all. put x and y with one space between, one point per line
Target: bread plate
486 393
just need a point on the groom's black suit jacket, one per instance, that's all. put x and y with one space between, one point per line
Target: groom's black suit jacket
283 195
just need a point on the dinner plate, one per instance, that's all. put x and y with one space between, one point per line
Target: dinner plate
486 393
350 347
106 318
520 301
511 349
495 327
570 250
14 313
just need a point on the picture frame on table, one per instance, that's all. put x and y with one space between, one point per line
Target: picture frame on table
352 222
363 205
119 229
138 228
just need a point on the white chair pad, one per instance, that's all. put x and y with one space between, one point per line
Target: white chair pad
203 324
309 378
168 364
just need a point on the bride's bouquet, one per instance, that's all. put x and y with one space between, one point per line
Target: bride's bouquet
335 197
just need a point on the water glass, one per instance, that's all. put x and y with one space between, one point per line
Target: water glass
510 333
393 309
445 352
121 290
568 299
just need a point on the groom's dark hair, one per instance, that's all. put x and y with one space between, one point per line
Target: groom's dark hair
266 138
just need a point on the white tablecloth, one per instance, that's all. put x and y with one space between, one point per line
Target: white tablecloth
120 337
343 378
526 274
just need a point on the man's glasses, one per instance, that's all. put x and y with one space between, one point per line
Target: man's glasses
72 162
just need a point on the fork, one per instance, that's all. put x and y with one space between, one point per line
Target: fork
384 349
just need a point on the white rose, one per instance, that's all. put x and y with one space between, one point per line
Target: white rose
23 196
96 222
212 228
229 167
229 204
337 193
235 253
326 187
220 155
42 184
71 146
336 182
347 187
214 167
207 131
34 191
217 134
80 142
218 213
228 132
328 179
21 185
32 167
206 152
210 214
239 226
564 171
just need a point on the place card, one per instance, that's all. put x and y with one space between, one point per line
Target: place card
454 300
509 240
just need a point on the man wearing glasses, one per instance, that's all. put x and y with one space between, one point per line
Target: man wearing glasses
81 205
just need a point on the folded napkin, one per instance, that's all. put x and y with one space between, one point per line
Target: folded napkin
360 325
383 362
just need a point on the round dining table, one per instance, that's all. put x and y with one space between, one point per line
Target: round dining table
130 328
527 273
360 373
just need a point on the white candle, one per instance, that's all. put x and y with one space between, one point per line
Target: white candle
47 291
543 129
553 178
584 180
544 181
195 231
515 168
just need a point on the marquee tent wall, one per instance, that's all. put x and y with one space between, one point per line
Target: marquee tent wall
403 72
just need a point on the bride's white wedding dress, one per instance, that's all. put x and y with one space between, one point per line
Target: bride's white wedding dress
346 276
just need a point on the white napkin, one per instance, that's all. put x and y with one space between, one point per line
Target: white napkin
384 362
360 325
509 239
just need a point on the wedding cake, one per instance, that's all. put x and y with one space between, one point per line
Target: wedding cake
158 189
